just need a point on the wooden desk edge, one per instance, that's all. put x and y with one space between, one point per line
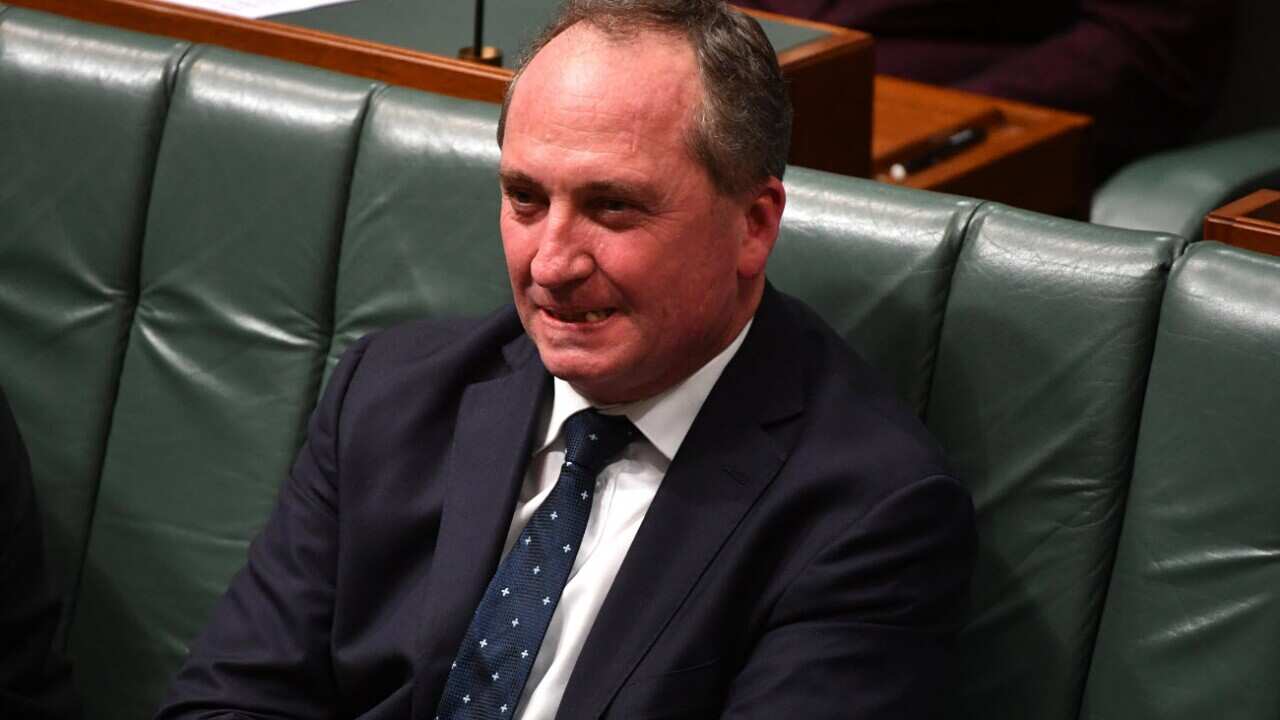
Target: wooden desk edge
1231 225
842 52
378 61
1044 137
395 65
1241 207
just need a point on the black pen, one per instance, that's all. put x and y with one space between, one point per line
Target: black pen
939 150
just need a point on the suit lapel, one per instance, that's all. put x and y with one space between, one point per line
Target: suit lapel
486 468
726 461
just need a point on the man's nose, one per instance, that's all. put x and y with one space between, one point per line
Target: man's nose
563 257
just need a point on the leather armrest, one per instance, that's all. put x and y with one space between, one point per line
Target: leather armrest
1173 191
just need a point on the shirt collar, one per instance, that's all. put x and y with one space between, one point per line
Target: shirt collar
663 419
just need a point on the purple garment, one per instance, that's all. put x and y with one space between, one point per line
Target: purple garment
1148 71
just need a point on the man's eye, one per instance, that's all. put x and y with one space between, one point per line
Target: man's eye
618 213
616 206
521 199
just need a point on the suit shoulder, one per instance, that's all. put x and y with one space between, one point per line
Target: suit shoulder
854 415
430 358
416 341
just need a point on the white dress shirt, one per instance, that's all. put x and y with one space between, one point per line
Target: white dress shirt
624 491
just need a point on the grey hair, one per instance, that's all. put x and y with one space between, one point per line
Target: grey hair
741 133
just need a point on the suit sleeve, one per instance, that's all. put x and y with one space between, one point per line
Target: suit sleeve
265 651
34 679
868 628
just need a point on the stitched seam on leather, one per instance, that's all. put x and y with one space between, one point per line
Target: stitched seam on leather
962 243
1122 502
335 276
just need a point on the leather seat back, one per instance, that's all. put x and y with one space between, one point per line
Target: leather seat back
876 261
1036 398
421 233
1192 623
81 114
234 303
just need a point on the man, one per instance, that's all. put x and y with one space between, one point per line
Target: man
771 533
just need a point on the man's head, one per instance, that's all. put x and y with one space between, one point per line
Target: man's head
643 146
742 128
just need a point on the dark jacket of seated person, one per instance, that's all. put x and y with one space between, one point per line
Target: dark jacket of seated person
34 680
790 542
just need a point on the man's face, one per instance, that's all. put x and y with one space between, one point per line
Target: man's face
627 266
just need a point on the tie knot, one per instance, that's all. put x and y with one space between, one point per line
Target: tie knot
592 439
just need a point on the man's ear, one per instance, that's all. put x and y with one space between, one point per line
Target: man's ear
763 215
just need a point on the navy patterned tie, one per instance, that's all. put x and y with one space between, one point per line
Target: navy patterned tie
491 667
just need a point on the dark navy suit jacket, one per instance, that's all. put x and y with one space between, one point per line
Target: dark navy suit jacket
35 680
807 555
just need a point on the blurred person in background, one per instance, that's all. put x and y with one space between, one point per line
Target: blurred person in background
1148 71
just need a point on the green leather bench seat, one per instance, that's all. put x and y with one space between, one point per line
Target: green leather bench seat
1173 191
1036 396
1192 621
189 237
889 296
420 236
81 114
232 324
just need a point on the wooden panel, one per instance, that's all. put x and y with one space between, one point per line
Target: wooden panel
394 65
1032 157
828 135
1252 222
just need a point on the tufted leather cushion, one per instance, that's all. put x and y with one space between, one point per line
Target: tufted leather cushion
81 112
234 306
421 236
876 261
1193 614
1036 396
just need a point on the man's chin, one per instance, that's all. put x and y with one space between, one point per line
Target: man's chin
595 381
576 374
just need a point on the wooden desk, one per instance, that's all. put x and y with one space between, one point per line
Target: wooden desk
1252 222
1032 157
814 57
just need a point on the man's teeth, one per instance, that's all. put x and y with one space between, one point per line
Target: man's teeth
588 316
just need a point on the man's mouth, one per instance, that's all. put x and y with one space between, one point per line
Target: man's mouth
583 316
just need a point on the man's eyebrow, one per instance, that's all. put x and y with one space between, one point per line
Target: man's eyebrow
613 187
515 177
